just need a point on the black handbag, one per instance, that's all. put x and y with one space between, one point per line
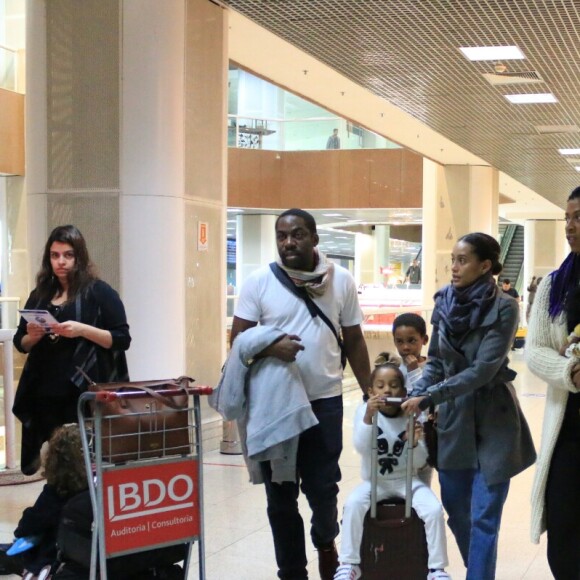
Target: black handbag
430 435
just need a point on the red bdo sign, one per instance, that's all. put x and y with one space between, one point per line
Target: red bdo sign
150 505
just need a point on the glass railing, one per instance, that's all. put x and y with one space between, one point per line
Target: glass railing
8 67
313 134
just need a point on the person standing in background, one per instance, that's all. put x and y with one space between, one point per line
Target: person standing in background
333 141
413 274
506 286
532 289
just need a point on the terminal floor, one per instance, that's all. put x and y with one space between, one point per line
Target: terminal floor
237 535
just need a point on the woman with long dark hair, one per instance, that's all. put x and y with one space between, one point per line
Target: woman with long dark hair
89 340
556 490
483 437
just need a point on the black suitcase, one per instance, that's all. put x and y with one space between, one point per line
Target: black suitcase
393 545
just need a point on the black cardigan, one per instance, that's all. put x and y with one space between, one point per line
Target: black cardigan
100 306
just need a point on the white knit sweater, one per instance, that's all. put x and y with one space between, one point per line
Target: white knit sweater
541 352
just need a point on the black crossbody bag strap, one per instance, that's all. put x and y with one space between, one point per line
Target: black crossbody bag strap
313 308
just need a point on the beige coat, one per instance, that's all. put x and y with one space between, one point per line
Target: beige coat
542 344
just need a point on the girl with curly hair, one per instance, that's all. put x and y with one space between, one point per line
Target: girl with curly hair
64 469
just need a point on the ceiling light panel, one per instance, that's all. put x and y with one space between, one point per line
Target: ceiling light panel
531 98
555 129
475 53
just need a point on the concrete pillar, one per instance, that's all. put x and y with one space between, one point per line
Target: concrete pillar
364 259
126 138
456 200
382 235
474 196
255 244
545 247
432 256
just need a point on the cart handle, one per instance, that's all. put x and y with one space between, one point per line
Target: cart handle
106 396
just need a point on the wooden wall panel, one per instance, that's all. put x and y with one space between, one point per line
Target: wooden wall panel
411 179
324 174
385 178
11 133
318 179
296 179
246 187
233 189
271 179
354 179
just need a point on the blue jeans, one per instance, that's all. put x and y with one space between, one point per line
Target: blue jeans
474 515
318 474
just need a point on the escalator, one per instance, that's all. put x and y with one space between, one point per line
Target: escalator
512 254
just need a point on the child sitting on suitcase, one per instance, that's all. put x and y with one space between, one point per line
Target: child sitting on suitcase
387 380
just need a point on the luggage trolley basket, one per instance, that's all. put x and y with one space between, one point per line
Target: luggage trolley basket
143 452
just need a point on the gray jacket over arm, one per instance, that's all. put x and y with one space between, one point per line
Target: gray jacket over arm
268 399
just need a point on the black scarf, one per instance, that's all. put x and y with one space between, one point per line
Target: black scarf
463 309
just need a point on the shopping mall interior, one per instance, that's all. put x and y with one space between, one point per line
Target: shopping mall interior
173 133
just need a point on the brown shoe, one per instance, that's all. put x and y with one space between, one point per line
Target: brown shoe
327 562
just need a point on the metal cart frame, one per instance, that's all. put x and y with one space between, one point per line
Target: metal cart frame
149 502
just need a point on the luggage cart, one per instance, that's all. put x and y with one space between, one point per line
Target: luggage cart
152 495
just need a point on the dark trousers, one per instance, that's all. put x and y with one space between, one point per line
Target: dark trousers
563 510
46 417
318 474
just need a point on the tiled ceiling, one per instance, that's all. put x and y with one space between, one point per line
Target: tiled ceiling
407 52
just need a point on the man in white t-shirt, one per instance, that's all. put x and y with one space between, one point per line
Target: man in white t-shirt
310 342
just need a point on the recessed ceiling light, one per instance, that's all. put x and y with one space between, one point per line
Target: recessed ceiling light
332 214
492 52
526 99
554 129
577 168
569 151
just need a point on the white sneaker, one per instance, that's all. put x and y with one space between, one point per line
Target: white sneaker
438 575
347 572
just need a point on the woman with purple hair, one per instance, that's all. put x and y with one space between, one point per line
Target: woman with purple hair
556 490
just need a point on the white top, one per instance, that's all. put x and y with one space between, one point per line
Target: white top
392 446
411 377
263 299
